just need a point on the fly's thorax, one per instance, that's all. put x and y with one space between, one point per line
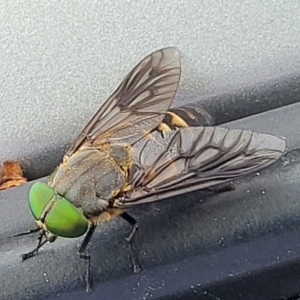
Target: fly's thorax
89 179
55 215
120 153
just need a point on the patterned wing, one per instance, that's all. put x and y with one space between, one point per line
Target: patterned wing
186 159
138 105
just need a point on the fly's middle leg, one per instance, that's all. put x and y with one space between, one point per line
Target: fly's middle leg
84 255
135 226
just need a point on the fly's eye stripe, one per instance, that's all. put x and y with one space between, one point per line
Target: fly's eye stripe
49 207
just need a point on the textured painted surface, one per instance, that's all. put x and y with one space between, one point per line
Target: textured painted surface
60 60
191 242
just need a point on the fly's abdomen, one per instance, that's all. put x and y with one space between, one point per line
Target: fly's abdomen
88 179
185 116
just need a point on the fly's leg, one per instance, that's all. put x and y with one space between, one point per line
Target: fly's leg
84 255
133 257
222 188
35 251
40 243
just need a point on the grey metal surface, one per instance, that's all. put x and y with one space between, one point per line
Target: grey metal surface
172 232
60 60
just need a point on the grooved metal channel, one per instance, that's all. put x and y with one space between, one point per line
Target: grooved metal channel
220 245
240 61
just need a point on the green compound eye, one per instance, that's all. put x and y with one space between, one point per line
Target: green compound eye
40 195
65 220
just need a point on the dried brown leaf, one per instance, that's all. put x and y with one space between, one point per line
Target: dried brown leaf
11 175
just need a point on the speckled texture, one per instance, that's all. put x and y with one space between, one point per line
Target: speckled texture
60 60
223 245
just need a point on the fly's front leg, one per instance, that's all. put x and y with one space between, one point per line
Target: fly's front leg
84 255
40 242
32 253
135 226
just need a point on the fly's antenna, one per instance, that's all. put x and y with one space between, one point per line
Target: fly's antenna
28 232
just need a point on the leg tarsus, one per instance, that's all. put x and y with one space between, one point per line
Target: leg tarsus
35 250
87 276
29 254
87 257
134 259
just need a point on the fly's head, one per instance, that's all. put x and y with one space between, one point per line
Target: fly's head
55 216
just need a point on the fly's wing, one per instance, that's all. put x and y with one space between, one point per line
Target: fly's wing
187 159
138 105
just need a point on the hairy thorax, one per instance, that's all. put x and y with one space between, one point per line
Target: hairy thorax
91 178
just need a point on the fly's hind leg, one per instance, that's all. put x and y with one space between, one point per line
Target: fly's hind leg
135 226
84 255
222 188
